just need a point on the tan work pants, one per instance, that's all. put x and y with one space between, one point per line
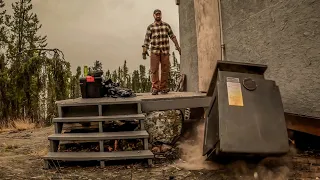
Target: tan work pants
163 59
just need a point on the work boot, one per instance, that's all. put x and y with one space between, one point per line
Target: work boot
164 91
154 92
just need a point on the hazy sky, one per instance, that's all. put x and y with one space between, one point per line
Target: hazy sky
106 30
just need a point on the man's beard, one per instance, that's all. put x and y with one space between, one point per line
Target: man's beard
158 19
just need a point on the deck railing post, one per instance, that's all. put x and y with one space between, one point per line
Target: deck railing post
101 143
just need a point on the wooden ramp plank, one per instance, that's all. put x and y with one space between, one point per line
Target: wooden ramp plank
98 118
99 136
89 156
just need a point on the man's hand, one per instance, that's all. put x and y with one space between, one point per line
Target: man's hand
144 52
174 39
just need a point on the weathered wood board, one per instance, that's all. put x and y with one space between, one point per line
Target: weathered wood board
87 156
172 100
99 136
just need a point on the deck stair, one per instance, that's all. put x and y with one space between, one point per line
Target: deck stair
101 113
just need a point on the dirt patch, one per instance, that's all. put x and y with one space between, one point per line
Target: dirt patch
21 152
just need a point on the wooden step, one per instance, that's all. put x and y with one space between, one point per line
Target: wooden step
99 156
99 136
98 118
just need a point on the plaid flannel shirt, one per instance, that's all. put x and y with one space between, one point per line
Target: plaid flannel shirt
158 36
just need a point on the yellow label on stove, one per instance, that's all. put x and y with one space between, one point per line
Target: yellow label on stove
234 94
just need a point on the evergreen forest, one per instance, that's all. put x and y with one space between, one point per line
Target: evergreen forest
33 77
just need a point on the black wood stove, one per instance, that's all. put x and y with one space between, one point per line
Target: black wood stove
246 114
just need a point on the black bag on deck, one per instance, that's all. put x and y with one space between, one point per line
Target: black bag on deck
114 90
91 87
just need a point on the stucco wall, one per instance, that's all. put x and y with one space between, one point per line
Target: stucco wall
285 35
208 40
188 43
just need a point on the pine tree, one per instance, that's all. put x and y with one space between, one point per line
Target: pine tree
73 87
3 35
58 85
4 101
77 82
24 26
129 82
149 84
3 30
136 81
25 69
120 76
97 66
174 74
108 74
143 79
30 81
125 74
114 76
176 68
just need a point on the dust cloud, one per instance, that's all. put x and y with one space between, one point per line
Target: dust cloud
270 168
281 173
191 157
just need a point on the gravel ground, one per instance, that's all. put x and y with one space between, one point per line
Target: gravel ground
21 152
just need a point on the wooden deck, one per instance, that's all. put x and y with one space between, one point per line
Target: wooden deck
172 100
101 110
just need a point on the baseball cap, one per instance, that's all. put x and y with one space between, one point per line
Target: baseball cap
156 11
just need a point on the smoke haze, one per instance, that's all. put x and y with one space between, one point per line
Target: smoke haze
110 31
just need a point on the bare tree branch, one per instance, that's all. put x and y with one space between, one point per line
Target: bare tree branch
55 50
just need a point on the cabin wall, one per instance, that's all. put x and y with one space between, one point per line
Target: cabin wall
285 35
188 43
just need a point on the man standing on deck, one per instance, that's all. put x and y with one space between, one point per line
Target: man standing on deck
158 34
